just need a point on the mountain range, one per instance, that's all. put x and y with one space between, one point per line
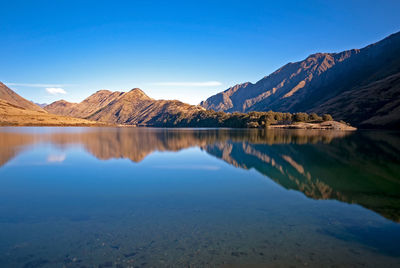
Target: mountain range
133 108
360 86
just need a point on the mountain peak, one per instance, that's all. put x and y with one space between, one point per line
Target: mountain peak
103 91
62 101
136 89
318 55
138 93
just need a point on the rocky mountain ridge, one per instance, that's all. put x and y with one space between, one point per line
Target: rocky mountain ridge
323 82
132 108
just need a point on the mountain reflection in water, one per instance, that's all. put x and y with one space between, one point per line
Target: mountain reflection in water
361 167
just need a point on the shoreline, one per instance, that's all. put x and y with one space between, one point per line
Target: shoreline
301 126
327 125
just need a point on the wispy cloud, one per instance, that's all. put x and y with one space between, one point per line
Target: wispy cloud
189 84
55 90
35 85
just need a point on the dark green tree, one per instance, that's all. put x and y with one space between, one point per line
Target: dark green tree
315 117
327 117
300 117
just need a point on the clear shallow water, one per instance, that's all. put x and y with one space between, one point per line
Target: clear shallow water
128 197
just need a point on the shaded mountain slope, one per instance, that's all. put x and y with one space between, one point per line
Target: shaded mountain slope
313 84
376 105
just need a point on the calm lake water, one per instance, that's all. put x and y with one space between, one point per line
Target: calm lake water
137 197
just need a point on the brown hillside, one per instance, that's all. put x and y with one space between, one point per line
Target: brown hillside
133 108
12 115
13 98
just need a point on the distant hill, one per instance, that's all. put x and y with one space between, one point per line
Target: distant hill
41 105
133 107
15 99
360 86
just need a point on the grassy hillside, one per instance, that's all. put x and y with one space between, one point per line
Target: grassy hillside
12 115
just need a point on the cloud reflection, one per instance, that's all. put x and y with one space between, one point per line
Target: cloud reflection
56 158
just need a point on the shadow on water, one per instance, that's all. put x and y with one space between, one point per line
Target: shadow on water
383 240
361 167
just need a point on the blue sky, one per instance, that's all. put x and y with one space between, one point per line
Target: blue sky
186 50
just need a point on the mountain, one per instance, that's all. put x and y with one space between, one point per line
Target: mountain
87 107
133 107
136 108
17 111
359 86
13 98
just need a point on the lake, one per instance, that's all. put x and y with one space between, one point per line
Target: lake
143 197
